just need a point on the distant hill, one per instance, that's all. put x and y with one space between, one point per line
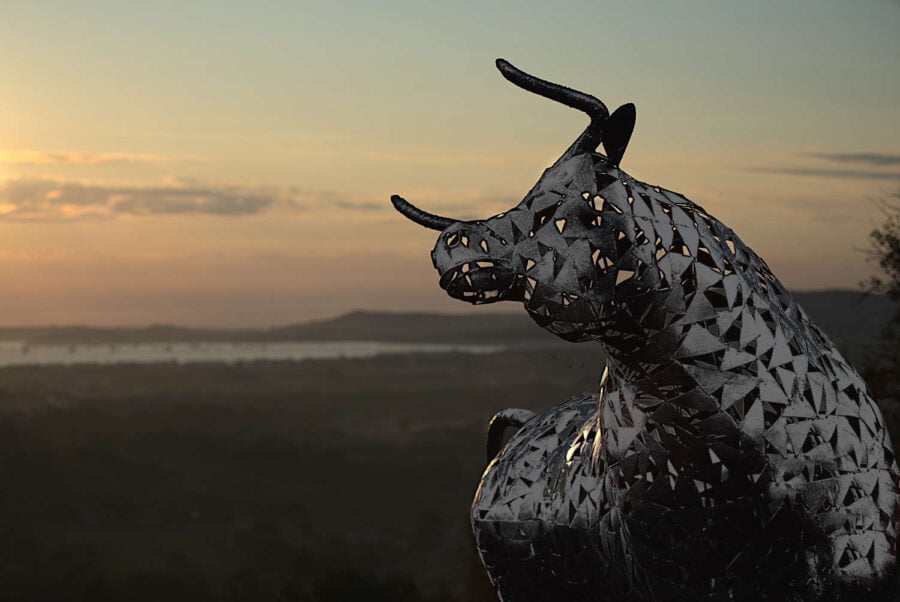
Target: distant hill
380 326
354 326
844 315
847 314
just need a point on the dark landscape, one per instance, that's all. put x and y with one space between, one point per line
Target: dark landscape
320 480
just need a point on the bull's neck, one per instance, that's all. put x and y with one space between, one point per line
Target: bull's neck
634 352
661 354
652 368
662 332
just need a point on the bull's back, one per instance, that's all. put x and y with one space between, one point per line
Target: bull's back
536 511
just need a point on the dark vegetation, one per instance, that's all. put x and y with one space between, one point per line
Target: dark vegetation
316 481
882 370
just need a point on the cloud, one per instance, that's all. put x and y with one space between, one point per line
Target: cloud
360 205
48 199
864 160
432 156
872 159
818 172
30 199
34 157
474 205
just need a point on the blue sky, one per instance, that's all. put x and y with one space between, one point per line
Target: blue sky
230 163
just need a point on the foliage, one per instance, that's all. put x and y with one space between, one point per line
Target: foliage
881 372
311 481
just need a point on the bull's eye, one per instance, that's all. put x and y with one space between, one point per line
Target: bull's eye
452 239
542 217
590 220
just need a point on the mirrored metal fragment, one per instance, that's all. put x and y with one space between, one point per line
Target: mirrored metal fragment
732 453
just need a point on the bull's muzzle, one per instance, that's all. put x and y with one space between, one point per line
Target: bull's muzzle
482 281
472 262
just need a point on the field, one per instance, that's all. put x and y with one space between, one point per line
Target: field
317 481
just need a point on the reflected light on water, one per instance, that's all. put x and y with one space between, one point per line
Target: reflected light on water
16 353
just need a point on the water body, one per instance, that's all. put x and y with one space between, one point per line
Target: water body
14 353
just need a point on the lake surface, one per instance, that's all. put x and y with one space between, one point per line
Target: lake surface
13 353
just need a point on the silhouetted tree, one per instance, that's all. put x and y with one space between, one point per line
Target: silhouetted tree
883 371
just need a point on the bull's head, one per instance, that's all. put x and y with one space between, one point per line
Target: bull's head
564 249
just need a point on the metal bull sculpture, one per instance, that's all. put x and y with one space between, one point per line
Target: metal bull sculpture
732 453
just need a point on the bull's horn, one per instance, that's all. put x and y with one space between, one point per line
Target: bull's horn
429 220
589 139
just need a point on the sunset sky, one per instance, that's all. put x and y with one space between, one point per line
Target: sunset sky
230 163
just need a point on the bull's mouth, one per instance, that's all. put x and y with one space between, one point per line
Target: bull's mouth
483 281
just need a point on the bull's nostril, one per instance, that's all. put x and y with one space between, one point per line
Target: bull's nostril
471 280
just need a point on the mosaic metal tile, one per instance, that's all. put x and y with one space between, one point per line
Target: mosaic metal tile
731 453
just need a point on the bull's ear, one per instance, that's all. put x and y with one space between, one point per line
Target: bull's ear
617 132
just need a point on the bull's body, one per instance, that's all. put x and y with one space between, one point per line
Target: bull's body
732 453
